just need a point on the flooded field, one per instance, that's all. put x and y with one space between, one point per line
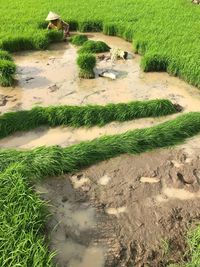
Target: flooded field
51 78
118 212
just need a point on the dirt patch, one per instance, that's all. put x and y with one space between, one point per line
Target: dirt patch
133 210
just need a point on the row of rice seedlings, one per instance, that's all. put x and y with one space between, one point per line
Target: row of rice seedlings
56 160
77 116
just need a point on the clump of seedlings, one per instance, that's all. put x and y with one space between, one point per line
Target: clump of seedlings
79 40
4 55
86 63
94 47
7 70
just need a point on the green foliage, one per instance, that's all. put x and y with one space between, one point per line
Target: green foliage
21 222
90 26
94 47
7 70
86 63
194 247
79 40
5 55
88 116
154 62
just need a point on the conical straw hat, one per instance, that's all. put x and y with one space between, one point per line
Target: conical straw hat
52 16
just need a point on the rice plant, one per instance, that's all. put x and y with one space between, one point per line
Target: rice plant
76 116
7 71
86 63
94 47
79 40
22 217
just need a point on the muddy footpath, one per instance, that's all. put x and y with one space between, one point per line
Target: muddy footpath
130 211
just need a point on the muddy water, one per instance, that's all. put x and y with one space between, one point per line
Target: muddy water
51 78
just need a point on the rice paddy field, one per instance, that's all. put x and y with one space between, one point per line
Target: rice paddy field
125 192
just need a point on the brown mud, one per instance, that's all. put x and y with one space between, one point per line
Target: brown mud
127 211
124 212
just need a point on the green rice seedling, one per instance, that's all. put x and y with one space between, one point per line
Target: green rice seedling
94 47
154 62
73 25
90 26
41 41
4 55
88 116
52 37
110 29
86 63
193 240
42 24
79 40
7 71
16 44
22 218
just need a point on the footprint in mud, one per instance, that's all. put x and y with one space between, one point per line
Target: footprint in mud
116 211
79 181
176 164
150 180
186 178
104 180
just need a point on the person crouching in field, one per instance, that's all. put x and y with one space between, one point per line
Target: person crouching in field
55 22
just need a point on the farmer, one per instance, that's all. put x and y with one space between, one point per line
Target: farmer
116 53
55 22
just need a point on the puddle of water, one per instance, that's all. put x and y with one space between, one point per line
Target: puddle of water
116 211
73 228
79 218
72 254
93 257
104 180
151 180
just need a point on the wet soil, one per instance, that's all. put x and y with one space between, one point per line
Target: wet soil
128 211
